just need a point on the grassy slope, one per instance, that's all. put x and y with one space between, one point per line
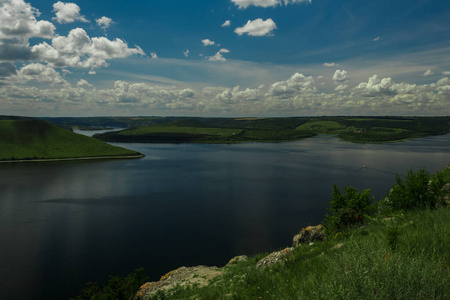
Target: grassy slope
184 129
35 139
321 126
384 129
207 132
226 130
363 263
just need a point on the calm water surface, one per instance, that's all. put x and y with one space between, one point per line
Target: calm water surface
64 224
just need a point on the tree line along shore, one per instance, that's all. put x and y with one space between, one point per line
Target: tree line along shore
236 130
28 139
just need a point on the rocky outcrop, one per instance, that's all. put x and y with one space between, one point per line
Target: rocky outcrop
237 259
308 235
182 277
201 275
275 258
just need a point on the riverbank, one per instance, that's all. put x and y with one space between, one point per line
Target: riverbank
400 254
74 158
403 255
223 131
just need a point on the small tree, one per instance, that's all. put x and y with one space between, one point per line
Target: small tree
350 209
118 288
418 190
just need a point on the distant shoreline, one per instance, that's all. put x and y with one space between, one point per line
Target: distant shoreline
226 131
73 159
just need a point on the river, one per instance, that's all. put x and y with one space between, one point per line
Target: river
63 224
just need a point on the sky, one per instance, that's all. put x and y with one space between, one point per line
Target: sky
225 58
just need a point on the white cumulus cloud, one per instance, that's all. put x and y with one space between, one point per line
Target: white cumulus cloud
385 86
83 83
242 4
208 42
80 51
262 3
297 95
341 88
428 73
286 2
226 23
18 20
67 13
297 84
332 64
18 24
257 27
218 56
40 73
340 76
104 22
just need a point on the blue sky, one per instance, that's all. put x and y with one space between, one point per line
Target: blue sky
225 58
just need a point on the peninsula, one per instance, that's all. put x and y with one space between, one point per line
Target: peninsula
235 130
26 139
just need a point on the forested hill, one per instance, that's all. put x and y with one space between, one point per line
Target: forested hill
31 139
233 130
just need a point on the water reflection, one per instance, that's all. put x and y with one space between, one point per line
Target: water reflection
63 224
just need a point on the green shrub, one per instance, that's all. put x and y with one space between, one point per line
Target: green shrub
392 234
419 190
348 210
118 288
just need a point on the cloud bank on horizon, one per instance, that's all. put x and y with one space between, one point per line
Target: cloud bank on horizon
239 58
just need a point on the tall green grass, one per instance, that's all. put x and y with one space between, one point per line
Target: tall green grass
360 264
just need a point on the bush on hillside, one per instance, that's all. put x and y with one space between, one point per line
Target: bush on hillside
118 288
348 210
419 190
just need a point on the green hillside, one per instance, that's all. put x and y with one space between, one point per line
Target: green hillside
231 130
27 139
321 126
193 131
